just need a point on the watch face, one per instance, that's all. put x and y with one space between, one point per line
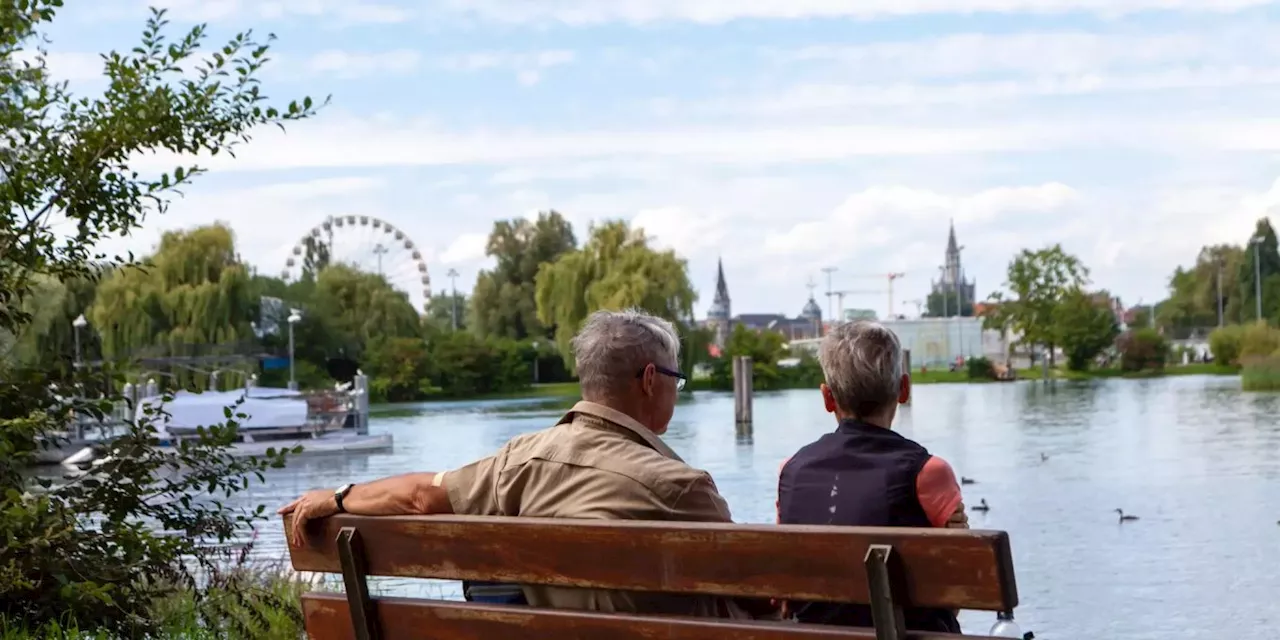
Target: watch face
343 489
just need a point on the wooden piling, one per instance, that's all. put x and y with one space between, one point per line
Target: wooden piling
742 390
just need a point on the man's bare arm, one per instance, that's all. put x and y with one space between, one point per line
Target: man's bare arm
407 494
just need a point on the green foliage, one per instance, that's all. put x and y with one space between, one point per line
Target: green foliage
1267 259
1261 373
943 305
765 349
192 293
1259 340
503 303
616 269
1142 350
981 369
1086 326
360 307
441 309
466 365
1038 282
100 548
1225 344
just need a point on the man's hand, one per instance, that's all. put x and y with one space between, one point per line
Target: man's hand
313 505
959 519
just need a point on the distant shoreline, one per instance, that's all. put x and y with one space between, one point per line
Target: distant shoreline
929 376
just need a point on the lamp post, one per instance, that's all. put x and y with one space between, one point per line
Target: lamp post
79 323
453 283
1218 262
1257 275
535 362
295 317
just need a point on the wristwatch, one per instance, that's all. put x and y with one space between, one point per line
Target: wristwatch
342 493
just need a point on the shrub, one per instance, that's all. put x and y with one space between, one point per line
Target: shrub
981 369
1259 340
1143 350
1261 373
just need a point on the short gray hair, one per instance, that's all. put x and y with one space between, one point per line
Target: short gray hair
613 346
862 363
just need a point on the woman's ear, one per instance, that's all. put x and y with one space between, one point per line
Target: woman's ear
828 400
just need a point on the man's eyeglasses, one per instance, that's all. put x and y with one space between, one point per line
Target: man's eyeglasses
680 377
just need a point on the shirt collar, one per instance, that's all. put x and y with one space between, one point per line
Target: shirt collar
613 416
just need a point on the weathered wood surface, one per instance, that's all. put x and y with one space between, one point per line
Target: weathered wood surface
328 618
944 568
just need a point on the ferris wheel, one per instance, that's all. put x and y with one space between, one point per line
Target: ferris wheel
368 244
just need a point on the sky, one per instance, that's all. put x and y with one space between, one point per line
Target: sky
781 136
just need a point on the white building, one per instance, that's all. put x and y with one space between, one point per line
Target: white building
938 342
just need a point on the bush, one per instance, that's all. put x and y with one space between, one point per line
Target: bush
1259 341
981 369
1261 373
1142 350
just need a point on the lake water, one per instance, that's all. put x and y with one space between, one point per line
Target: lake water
1197 459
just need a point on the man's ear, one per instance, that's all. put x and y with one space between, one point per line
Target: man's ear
828 400
904 391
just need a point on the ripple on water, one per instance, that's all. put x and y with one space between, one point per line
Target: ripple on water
1195 457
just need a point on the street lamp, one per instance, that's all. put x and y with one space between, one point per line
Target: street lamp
1256 241
535 362
453 283
295 317
79 323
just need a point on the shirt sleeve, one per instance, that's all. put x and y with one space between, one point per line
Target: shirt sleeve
777 500
473 489
701 502
938 491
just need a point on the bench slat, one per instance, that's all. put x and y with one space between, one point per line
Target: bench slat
945 568
328 618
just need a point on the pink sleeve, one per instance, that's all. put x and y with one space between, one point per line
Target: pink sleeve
938 491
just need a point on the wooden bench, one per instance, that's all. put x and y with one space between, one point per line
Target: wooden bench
887 568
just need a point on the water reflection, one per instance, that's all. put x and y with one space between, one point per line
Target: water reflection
1196 458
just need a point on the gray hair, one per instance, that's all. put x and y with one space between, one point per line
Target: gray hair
862 363
613 346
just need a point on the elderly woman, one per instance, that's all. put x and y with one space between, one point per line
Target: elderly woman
603 459
863 473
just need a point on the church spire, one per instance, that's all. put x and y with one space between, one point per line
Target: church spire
722 287
952 247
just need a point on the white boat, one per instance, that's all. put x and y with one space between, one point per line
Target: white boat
268 412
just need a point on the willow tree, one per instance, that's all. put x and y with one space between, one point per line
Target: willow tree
191 296
616 269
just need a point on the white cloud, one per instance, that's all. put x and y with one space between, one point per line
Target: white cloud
467 247
686 232
874 218
797 100
592 12
342 11
529 67
349 64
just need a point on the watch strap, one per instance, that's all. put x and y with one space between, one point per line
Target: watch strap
340 494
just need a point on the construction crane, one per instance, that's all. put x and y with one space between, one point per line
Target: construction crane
892 275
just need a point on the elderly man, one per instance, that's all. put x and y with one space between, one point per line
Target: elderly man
864 474
602 460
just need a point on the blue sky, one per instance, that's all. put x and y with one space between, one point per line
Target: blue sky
780 135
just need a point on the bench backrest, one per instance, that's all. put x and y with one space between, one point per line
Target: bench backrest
887 568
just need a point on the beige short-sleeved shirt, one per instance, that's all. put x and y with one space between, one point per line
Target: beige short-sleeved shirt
595 463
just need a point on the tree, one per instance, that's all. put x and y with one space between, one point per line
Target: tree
1038 281
503 301
942 304
192 295
441 309
765 349
361 307
616 269
87 552
1193 293
1267 255
1086 325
